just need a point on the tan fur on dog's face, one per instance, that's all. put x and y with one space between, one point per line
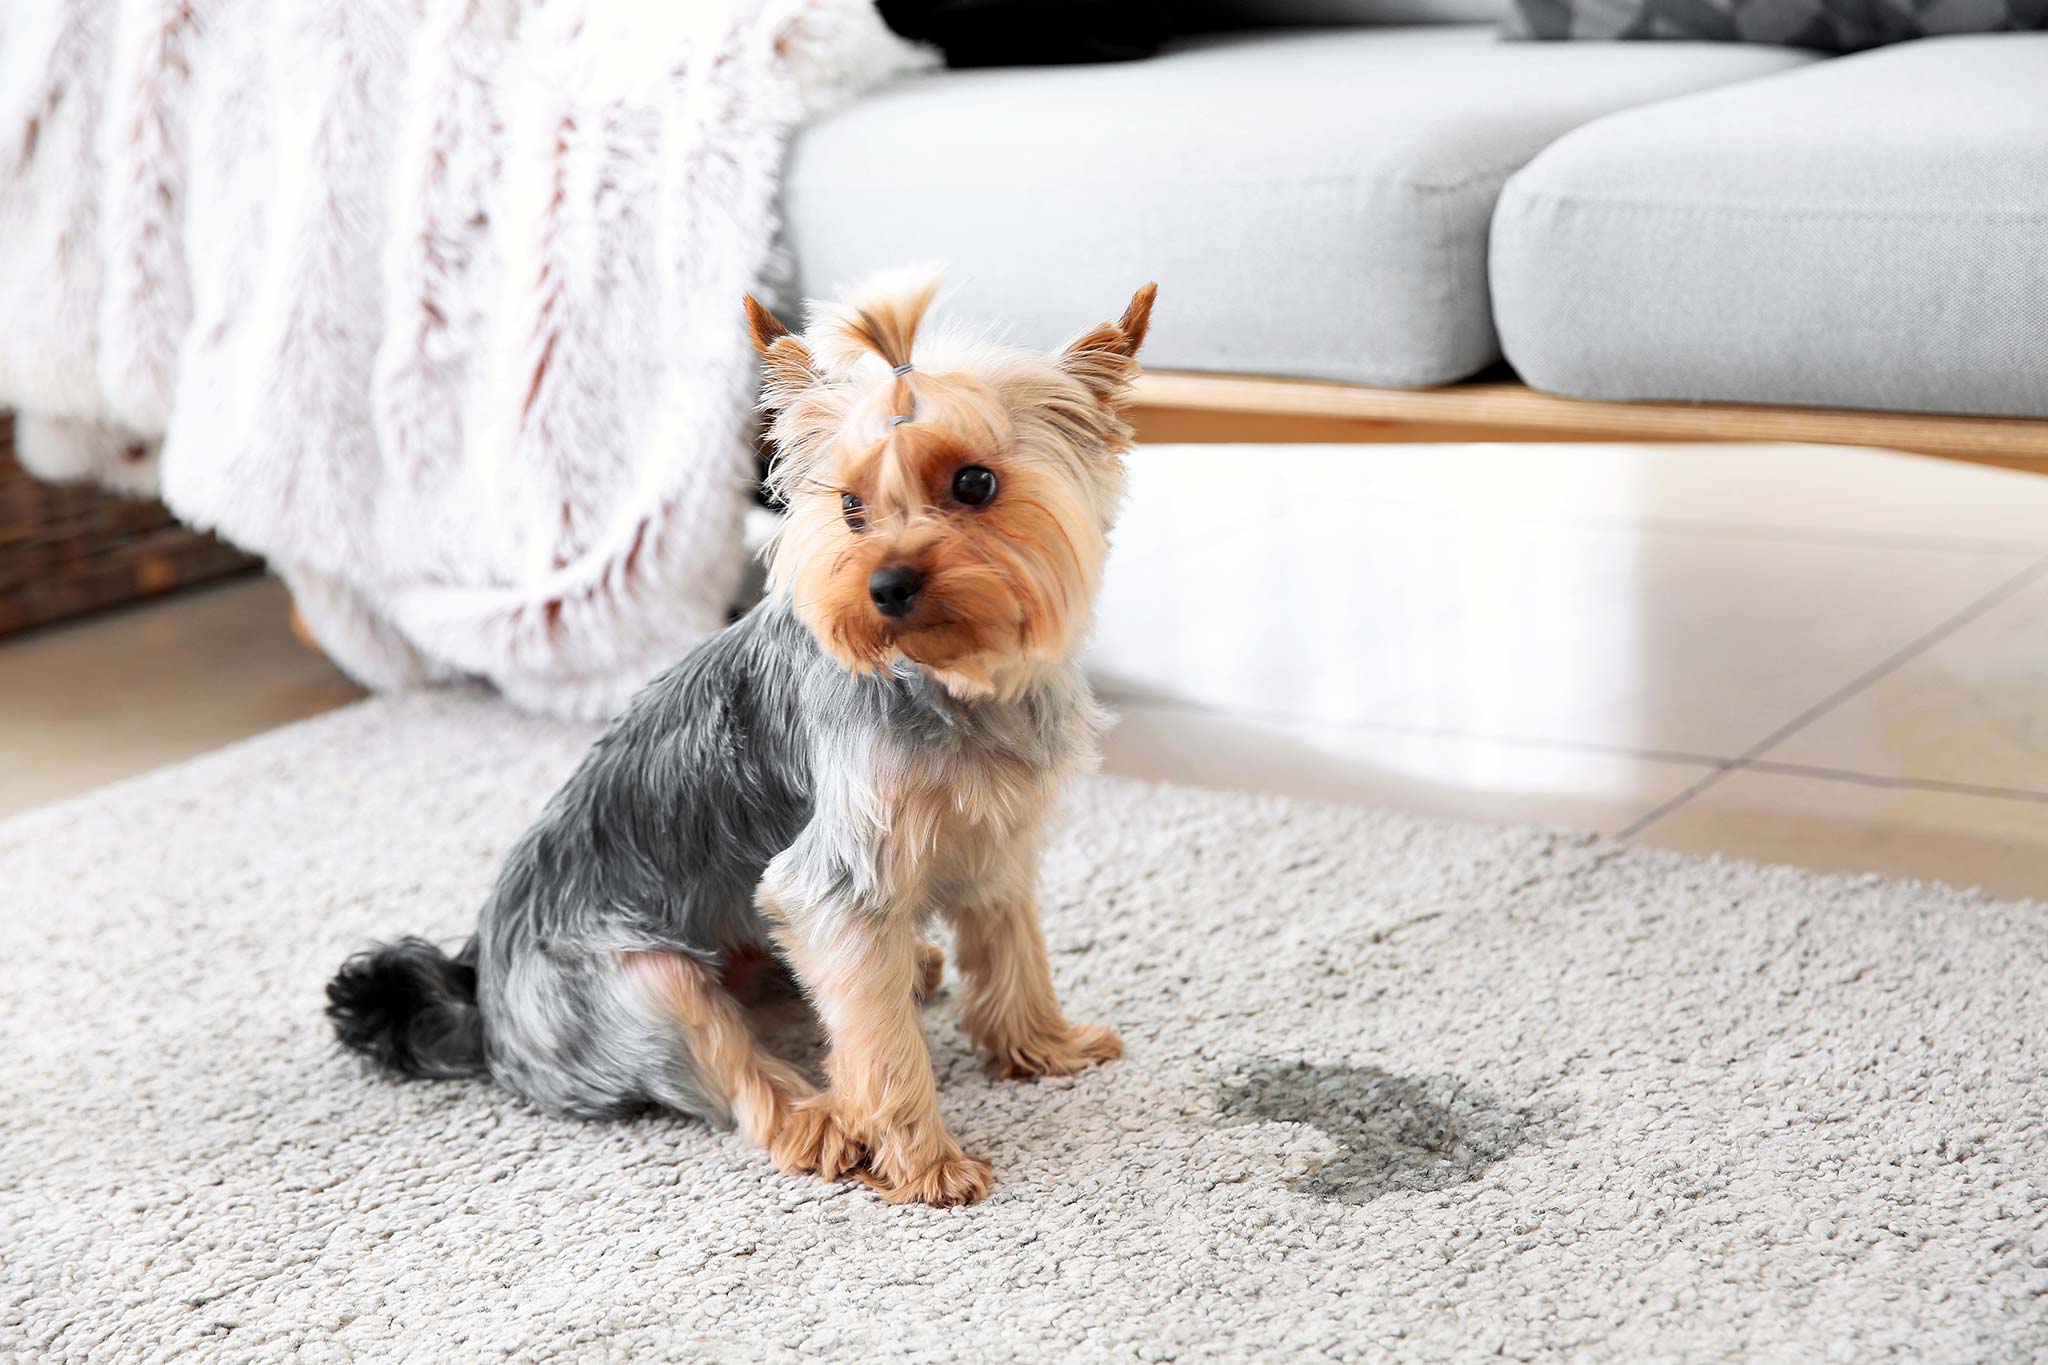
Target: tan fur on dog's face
1007 585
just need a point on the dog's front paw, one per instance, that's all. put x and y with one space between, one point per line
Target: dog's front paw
811 1137
1076 1047
946 1183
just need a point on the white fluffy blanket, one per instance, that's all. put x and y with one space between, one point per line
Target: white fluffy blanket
433 303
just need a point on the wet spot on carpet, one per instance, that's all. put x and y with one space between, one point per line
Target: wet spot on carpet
1396 1133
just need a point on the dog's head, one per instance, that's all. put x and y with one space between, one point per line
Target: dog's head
947 502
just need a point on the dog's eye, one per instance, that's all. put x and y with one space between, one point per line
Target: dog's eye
855 512
973 485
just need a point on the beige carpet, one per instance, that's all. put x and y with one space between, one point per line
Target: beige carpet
1396 1091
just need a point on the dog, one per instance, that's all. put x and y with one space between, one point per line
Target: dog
872 748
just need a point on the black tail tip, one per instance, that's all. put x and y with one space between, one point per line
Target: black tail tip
411 1009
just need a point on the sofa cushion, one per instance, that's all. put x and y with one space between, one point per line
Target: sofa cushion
1312 203
1870 232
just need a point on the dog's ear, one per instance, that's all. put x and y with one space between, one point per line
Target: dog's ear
783 353
1105 357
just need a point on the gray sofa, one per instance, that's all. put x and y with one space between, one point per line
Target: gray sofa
1404 207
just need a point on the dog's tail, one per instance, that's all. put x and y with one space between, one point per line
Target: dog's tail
411 1009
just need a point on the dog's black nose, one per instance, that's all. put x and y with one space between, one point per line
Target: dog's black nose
894 590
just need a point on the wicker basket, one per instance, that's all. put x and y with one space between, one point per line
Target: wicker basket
66 549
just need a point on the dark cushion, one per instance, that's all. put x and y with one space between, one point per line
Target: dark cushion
1344 13
976 33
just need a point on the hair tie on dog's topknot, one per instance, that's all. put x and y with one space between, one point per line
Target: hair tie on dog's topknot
899 419
901 370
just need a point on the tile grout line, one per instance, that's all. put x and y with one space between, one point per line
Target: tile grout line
2010 588
1116 697
1702 527
1747 760
1705 528
1717 768
1670 804
1810 535
1183 706
1927 784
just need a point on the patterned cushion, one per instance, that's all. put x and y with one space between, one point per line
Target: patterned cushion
1830 25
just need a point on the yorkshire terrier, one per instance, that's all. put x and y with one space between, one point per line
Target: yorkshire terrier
872 748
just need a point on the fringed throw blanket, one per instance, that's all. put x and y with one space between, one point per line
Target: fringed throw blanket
433 303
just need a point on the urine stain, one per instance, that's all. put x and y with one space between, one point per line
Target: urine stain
1395 1133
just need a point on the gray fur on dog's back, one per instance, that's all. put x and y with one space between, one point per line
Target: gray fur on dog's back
659 837
655 843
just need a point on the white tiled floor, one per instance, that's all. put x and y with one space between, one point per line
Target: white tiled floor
1970 708
1838 824
1489 623
119 693
1431 774
1828 657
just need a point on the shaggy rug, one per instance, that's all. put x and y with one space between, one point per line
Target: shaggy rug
1396 1091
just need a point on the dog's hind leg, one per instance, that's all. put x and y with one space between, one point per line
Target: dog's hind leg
729 1064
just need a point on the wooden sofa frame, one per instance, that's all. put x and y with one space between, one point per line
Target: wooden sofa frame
1207 408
